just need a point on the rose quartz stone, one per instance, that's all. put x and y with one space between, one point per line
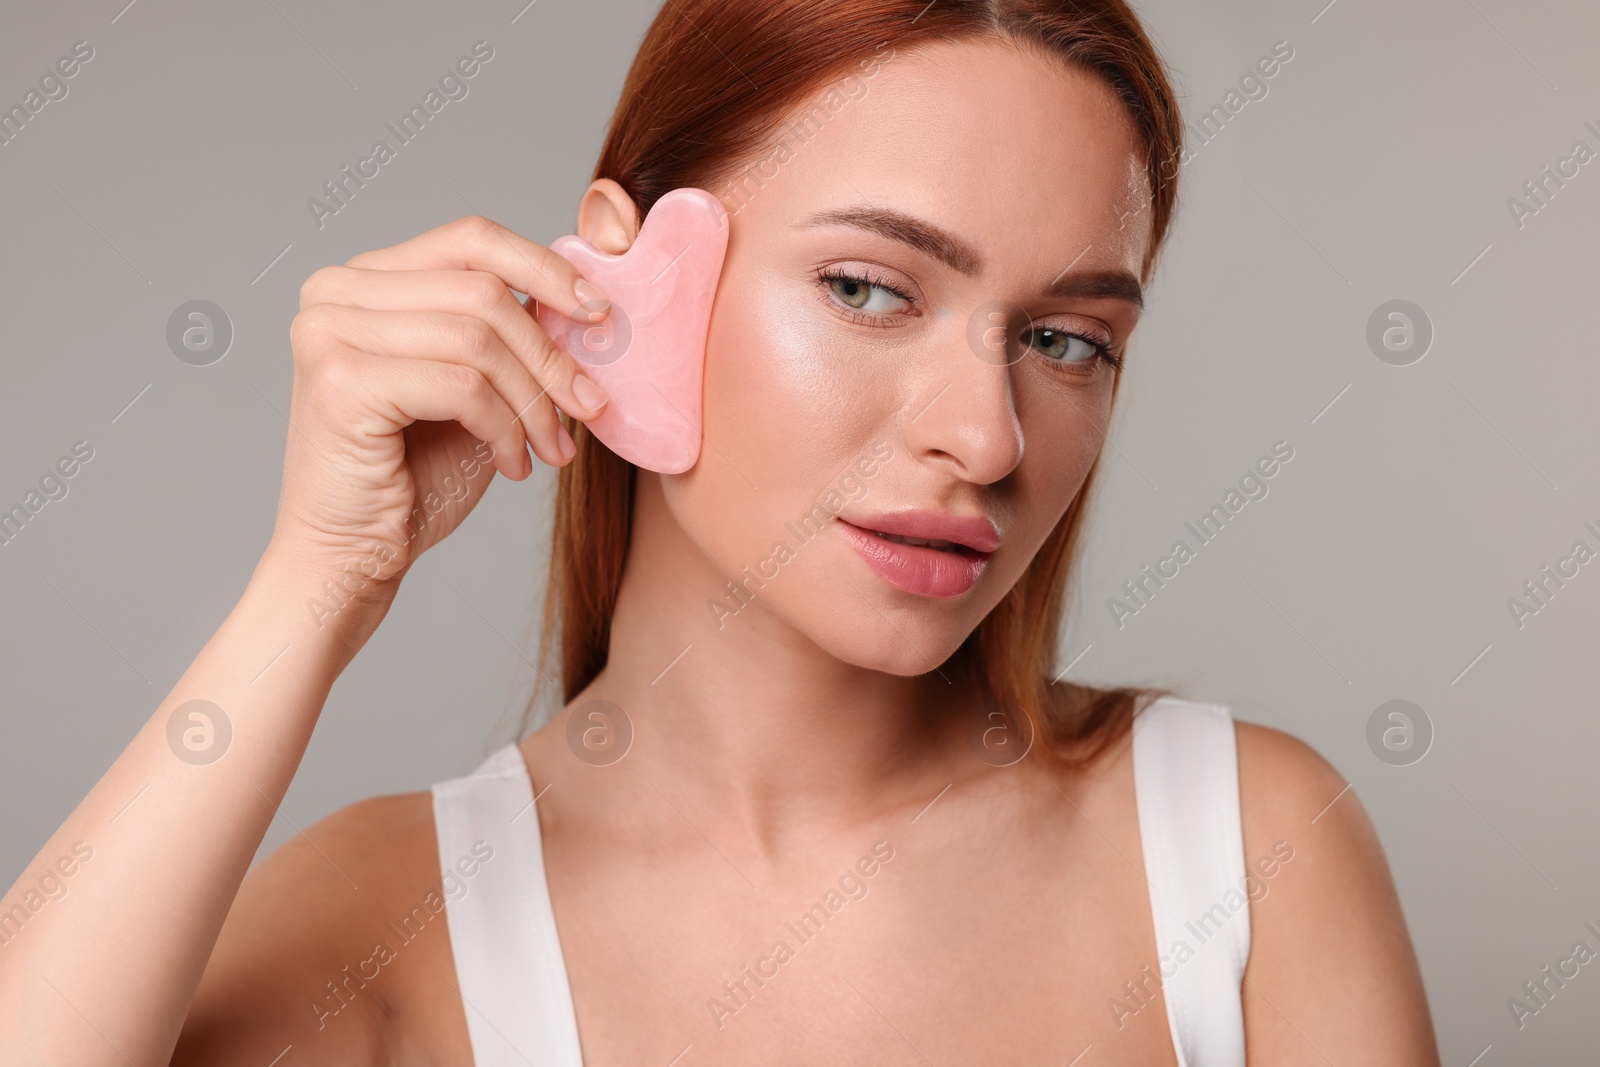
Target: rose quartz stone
649 354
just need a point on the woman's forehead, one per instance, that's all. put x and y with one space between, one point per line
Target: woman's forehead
1044 155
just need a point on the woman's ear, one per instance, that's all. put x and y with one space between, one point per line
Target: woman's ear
607 217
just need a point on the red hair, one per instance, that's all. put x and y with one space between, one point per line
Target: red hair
708 94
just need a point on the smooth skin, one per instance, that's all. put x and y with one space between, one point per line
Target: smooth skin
792 736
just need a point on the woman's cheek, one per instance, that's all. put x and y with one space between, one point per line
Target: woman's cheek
1063 435
791 384
785 410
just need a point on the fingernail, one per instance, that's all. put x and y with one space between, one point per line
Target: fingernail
588 393
564 442
593 300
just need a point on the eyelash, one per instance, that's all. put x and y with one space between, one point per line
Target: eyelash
834 274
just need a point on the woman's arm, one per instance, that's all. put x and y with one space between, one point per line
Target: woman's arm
417 374
105 973
1332 976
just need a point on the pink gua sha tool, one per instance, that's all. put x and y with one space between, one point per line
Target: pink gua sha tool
649 353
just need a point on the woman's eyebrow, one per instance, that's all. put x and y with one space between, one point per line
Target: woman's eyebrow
925 237
957 254
1116 284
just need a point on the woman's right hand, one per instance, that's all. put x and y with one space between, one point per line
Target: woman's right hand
407 362
417 373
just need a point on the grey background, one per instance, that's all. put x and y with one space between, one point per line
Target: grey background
1378 167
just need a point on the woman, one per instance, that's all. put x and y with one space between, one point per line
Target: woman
834 812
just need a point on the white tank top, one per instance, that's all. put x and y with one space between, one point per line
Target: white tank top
513 978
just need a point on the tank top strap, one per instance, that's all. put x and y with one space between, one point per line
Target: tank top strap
1186 783
509 967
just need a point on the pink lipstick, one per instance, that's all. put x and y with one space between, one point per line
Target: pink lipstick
930 553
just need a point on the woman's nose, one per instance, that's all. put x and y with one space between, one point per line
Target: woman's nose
962 411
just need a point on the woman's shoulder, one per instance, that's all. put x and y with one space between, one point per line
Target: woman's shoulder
1280 776
387 840
330 941
1292 800
1291 797
1325 915
1280 769
1307 838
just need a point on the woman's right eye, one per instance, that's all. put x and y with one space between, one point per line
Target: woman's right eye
865 295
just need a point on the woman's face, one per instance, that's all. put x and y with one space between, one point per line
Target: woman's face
871 351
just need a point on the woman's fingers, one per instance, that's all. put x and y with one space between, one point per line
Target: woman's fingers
476 243
470 292
462 339
403 391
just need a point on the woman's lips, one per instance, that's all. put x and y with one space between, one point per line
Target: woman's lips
916 568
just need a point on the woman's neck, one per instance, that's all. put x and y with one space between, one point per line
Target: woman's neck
751 718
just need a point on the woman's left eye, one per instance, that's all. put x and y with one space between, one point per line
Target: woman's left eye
1061 346
863 294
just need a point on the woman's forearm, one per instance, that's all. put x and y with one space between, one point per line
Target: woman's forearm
105 935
